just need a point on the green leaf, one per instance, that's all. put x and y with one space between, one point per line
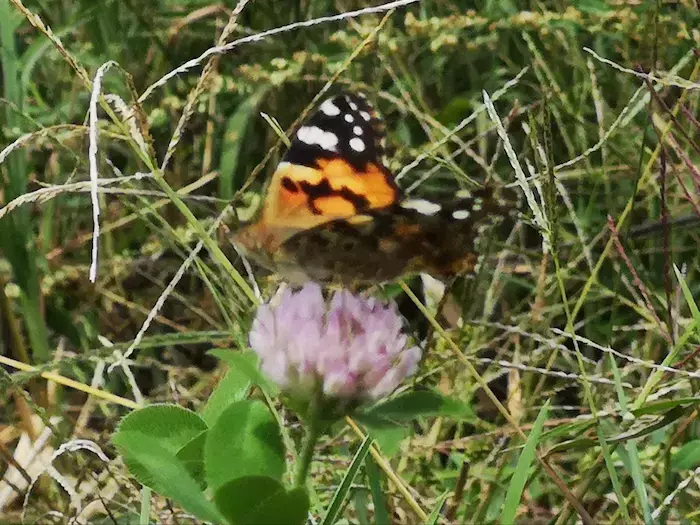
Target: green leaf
625 437
233 140
522 469
259 500
688 457
571 444
41 47
411 405
614 478
435 514
576 428
669 417
664 405
388 438
192 456
599 7
342 491
246 363
172 425
455 110
233 387
630 459
245 441
167 476
629 455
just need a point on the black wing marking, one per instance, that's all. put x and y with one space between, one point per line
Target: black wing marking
344 126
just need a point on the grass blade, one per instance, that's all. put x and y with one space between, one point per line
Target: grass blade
629 453
688 295
233 141
18 228
144 515
381 516
341 493
519 479
614 479
435 514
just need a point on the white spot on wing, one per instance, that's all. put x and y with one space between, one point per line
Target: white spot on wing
460 215
357 130
329 108
314 135
365 115
352 105
304 134
357 144
349 117
422 206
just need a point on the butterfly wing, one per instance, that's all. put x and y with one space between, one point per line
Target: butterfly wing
413 235
333 213
332 170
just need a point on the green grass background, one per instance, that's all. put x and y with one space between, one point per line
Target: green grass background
620 434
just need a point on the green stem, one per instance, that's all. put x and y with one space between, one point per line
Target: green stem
313 422
144 516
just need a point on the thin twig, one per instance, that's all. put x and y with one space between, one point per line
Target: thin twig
637 281
669 80
666 243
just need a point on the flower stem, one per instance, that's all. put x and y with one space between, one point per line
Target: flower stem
313 423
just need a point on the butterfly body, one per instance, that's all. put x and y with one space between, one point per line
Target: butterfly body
334 214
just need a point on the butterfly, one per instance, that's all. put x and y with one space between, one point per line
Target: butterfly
333 213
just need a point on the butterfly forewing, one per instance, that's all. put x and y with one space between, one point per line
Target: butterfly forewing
332 170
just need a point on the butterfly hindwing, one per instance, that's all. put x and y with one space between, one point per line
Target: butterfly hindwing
411 236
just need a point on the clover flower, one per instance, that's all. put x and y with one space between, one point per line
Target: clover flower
353 346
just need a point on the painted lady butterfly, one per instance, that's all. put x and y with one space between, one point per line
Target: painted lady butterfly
334 214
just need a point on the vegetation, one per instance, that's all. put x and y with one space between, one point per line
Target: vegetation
584 320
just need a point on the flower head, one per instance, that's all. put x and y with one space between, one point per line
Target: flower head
355 347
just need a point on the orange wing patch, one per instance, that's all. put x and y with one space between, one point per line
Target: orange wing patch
334 190
374 183
300 197
332 170
334 206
